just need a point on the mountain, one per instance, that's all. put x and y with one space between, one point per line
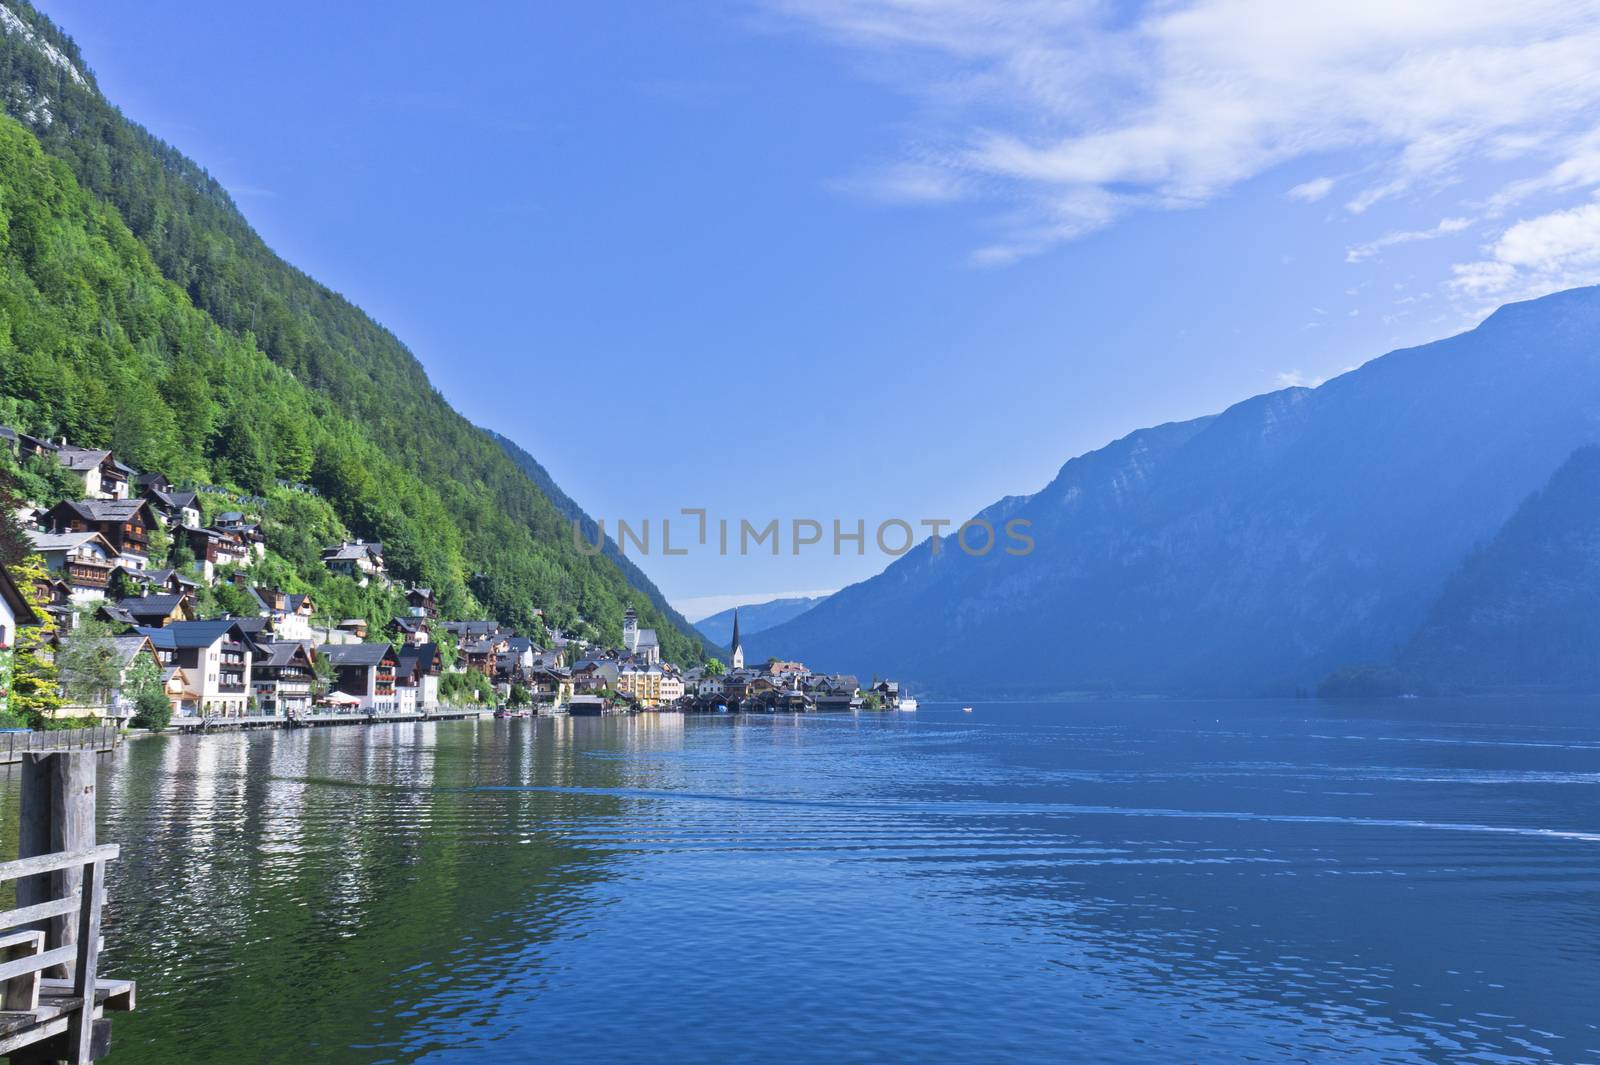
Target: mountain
572 512
1524 611
365 426
1252 551
757 617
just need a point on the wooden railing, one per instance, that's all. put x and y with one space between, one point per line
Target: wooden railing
52 996
22 975
13 745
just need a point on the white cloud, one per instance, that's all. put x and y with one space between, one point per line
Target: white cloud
1296 379
1311 191
1536 256
1078 112
1445 227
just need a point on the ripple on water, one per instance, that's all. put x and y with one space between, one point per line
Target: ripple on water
1140 884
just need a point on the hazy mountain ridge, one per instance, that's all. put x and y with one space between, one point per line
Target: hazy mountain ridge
1247 552
1524 611
754 618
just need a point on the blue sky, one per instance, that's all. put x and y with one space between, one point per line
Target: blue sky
863 259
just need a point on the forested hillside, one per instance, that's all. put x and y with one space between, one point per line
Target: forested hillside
572 511
267 375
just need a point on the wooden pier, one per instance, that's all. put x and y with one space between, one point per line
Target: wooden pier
53 1000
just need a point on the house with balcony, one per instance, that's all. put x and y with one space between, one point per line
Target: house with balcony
484 654
213 547
360 559
420 604
247 532
283 677
412 631
365 673
594 674
420 667
125 523
172 506
102 475
214 658
85 560
289 614
126 582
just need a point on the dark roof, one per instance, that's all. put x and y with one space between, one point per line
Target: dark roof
118 510
16 600
162 576
171 500
149 606
251 627
357 654
282 652
187 634
111 612
411 658
81 459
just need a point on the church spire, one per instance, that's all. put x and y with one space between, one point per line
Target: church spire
738 647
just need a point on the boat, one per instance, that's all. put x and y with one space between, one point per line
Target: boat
907 703
966 709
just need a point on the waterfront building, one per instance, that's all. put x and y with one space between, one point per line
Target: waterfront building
214 659
365 672
282 676
737 660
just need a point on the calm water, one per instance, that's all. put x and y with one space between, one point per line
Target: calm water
1136 883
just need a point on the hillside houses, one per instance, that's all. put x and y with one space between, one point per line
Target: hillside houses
360 559
147 557
85 561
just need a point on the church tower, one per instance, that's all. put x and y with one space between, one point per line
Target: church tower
630 630
738 648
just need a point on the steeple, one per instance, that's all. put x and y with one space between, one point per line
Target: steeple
738 648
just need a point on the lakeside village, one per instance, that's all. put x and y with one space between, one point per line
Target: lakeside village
132 650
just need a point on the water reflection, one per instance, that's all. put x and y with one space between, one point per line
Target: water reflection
1089 882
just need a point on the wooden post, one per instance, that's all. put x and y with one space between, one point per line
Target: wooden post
58 800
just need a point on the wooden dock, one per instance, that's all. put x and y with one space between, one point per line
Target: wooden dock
53 1000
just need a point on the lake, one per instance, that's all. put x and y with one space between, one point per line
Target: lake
1134 882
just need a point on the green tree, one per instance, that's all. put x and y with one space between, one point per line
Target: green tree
715 668
143 684
86 662
35 683
14 543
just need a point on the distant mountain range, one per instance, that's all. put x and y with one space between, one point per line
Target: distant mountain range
1258 550
1523 612
757 617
